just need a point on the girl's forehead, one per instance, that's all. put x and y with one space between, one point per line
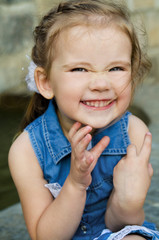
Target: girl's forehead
79 32
88 43
73 36
67 30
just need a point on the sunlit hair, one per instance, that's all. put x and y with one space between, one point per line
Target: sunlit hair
91 13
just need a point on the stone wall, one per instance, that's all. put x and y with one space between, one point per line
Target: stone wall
148 11
17 21
16 24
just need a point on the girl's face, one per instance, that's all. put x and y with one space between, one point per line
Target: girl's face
91 76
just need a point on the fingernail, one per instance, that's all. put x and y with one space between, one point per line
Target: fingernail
89 128
149 134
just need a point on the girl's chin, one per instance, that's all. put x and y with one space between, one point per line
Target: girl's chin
96 126
101 124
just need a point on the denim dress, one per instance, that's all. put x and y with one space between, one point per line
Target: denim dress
53 152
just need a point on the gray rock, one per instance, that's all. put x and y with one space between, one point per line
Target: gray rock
12 225
16 25
13 1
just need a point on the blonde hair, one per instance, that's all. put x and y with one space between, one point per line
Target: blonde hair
82 12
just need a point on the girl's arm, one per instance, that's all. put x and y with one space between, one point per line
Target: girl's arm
45 217
131 178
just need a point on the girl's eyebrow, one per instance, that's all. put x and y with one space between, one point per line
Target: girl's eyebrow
76 64
88 65
121 62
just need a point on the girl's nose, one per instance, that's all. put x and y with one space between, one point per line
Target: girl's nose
100 82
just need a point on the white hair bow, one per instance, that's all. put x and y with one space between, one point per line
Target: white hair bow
30 77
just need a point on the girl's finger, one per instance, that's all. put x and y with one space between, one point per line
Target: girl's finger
150 169
83 144
131 150
73 130
87 161
80 134
99 147
146 147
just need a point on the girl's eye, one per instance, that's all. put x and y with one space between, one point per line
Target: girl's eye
78 70
116 69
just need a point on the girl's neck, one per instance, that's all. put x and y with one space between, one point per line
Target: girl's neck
64 123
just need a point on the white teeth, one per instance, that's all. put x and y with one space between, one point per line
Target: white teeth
101 104
92 104
97 103
88 103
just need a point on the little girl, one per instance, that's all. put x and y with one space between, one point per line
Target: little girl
81 165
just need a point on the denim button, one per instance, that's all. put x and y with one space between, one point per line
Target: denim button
84 229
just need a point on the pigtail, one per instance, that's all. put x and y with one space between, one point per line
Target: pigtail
36 107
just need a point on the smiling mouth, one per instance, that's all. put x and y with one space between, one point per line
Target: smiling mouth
98 103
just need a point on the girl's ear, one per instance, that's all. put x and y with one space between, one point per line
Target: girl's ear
43 83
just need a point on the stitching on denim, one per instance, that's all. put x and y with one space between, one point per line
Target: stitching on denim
123 130
46 137
63 153
56 157
36 148
113 151
124 126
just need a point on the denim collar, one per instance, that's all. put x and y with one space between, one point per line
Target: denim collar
59 146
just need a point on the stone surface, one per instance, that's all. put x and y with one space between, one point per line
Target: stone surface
13 1
12 75
147 98
16 24
142 4
12 226
44 6
151 21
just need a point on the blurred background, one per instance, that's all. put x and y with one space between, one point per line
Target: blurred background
17 21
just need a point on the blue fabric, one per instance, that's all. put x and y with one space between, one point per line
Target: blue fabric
147 231
53 152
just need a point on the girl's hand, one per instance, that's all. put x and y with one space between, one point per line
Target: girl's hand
132 176
82 160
